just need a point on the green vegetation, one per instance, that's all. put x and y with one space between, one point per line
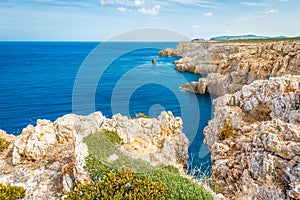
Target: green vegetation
3 145
102 149
112 177
259 40
214 186
226 132
141 115
11 192
121 184
179 186
112 136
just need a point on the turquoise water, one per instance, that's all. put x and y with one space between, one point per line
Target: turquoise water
45 80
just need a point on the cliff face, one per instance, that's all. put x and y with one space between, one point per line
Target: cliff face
232 65
254 140
49 158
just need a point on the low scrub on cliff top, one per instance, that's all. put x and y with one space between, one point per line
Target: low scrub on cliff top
3 145
167 180
11 192
105 150
121 184
260 40
179 187
112 136
226 132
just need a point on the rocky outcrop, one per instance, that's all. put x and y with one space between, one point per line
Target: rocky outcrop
199 87
231 65
49 158
254 140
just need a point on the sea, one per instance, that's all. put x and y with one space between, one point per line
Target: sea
46 80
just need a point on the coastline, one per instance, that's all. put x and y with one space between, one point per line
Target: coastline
258 85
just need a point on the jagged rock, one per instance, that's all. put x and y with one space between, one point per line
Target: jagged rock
49 158
153 140
240 63
260 158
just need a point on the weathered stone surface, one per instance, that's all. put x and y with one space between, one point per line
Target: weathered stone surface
49 158
261 159
238 63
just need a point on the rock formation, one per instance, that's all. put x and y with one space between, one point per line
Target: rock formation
254 140
49 158
231 65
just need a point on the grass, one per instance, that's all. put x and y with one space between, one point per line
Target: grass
102 149
98 165
112 136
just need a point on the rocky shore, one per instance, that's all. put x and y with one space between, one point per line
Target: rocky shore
49 158
254 136
254 140
231 65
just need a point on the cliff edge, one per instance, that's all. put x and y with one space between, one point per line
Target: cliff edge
254 140
49 159
231 65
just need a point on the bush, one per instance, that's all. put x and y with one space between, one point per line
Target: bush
141 115
11 192
226 132
3 145
96 168
121 185
178 186
112 136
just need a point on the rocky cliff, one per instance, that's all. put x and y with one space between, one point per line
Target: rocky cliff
49 158
254 140
231 65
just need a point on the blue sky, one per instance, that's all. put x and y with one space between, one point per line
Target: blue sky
102 19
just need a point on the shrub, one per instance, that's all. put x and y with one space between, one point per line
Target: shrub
3 145
11 192
226 132
96 168
178 186
141 115
121 184
112 136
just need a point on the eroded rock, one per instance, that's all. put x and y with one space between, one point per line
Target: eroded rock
260 159
49 158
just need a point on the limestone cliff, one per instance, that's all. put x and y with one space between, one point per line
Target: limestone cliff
254 140
49 158
231 65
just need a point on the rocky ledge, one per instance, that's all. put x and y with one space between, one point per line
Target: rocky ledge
254 140
49 158
231 65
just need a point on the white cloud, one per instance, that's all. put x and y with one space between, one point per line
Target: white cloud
196 26
122 9
138 2
199 3
273 11
209 14
105 2
150 11
283 0
254 4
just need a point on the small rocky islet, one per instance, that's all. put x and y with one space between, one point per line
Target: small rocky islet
253 138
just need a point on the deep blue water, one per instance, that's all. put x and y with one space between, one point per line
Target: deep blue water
45 80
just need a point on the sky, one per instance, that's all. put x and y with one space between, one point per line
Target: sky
99 20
